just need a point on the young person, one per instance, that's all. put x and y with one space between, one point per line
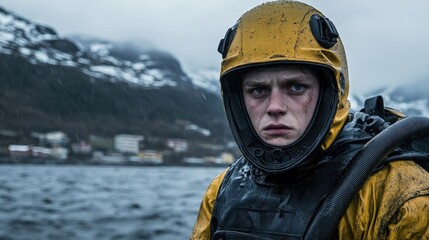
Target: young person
285 84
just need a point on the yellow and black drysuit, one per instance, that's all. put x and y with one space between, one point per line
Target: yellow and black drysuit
273 192
245 203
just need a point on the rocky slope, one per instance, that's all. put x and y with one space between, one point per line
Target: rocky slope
84 86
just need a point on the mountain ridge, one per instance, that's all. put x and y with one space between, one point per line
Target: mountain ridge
85 85
52 83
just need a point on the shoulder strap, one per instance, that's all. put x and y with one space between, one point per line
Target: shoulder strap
324 223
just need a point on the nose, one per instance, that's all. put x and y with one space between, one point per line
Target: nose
277 104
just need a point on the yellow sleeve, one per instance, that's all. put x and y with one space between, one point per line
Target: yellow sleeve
411 221
202 226
392 204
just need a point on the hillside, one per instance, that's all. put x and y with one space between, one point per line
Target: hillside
90 86
83 85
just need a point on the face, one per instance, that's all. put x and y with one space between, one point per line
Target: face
280 102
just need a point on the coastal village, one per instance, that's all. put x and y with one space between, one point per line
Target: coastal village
122 149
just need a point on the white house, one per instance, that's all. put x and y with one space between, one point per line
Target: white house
52 138
178 145
126 143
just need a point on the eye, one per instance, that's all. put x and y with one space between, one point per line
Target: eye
258 92
297 88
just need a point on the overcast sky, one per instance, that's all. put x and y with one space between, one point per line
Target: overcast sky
385 40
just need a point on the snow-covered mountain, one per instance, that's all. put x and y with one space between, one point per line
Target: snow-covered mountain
207 79
409 99
79 82
84 85
99 59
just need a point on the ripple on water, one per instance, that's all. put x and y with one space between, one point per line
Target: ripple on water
99 202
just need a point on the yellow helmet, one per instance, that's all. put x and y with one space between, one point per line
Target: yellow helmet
285 33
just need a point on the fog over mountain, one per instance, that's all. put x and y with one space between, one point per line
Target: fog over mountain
411 98
84 85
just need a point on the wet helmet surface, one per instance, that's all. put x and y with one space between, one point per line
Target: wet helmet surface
278 34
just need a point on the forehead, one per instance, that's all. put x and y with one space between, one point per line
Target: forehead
281 73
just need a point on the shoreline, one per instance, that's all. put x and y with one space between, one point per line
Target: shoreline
89 162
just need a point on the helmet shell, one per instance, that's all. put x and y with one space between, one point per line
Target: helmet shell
285 33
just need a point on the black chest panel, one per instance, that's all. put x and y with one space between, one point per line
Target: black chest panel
254 205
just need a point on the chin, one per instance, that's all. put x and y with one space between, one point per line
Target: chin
279 142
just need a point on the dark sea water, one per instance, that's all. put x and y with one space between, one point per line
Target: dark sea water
100 202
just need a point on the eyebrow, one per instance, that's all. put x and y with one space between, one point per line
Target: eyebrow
257 81
253 82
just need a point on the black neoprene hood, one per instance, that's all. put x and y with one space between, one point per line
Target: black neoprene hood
273 159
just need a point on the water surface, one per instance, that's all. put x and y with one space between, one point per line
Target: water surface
100 202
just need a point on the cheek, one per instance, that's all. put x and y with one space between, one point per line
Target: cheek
311 105
307 106
252 109
314 99
254 113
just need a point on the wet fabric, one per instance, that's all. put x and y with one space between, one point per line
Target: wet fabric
280 206
392 204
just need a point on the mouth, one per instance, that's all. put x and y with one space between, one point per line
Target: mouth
277 129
